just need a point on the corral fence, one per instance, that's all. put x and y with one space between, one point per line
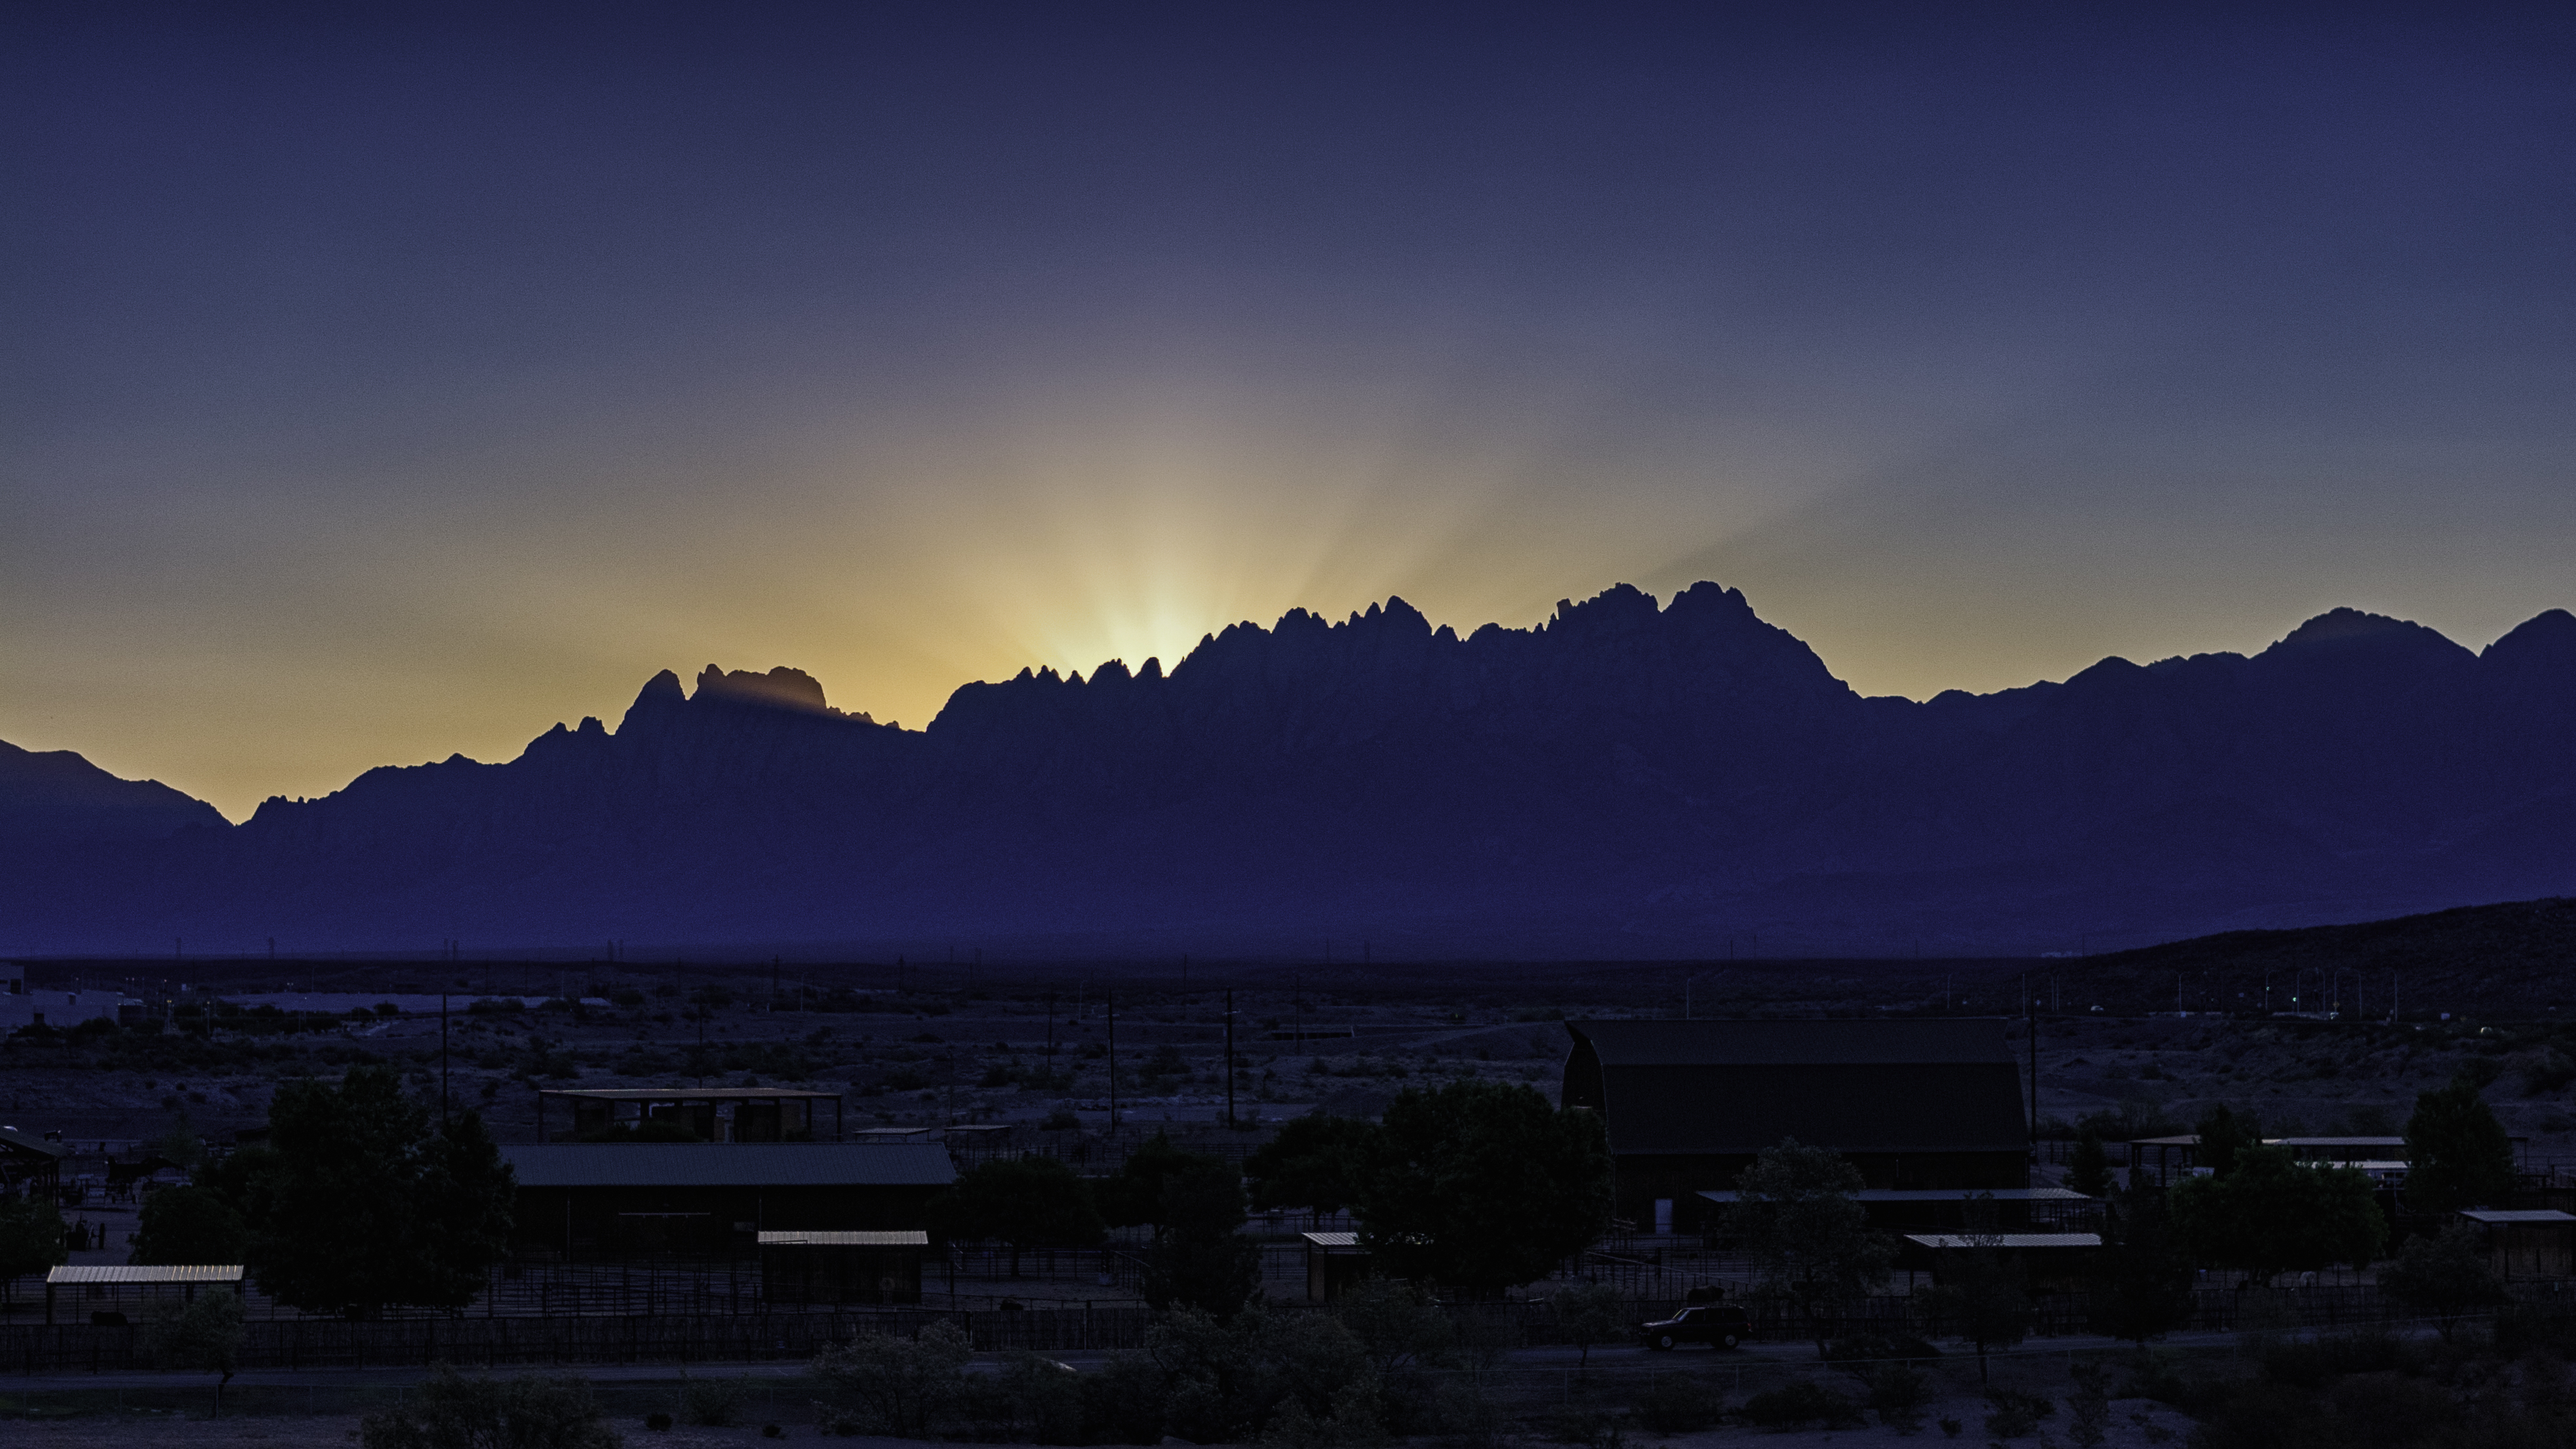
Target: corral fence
1492 1328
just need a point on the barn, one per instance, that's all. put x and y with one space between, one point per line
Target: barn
1917 1105
624 1199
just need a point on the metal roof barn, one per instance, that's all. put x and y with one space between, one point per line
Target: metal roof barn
1688 1105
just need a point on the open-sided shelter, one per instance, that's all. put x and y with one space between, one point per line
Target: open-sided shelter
30 1165
105 1291
2527 1242
618 1199
850 1267
1915 1104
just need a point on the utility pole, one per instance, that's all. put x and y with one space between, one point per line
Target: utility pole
442 1055
1050 1070
1109 1000
2032 1003
1229 1054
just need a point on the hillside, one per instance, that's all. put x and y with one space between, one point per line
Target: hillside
2516 959
1624 780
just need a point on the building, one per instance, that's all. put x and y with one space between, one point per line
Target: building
2005 1209
30 1165
106 1291
1334 1263
2527 1242
881 1267
1917 1105
22 1006
2051 1262
606 1200
710 1114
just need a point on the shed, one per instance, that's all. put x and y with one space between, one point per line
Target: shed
98 1285
844 1267
616 1199
2053 1260
2015 1209
1334 1262
2527 1242
30 1164
711 1114
1915 1104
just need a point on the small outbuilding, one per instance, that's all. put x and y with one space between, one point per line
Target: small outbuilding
1334 1263
845 1267
2527 1242
30 1165
2055 1262
106 1290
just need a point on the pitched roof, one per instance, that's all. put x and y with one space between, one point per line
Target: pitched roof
13 1139
740 1164
1732 1088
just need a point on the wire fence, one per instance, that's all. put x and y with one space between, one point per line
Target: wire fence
1487 1329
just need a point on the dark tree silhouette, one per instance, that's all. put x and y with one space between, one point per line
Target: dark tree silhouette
1482 1185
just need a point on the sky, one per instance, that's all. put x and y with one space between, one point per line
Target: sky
377 384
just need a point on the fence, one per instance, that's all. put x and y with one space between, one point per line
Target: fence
774 1337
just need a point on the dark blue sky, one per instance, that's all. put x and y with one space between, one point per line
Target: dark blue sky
376 387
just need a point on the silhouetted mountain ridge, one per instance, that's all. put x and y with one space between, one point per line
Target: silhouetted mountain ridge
1622 779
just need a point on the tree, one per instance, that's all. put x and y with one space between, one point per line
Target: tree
2224 1135
1589 1314
189 1225
2088 1170
31 1236
357 1203
1027 1202
1981 1289
463 1207
450 1411
204 1335
2443 1276
1198 1259
2457 1153
1483 1185
2276 1214
2142 1277
1311 1164
1811 1241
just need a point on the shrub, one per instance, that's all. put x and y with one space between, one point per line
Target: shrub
1799 1403
712 1402
2016 1413
901 1386
1896 1394
1680 1403
449 1409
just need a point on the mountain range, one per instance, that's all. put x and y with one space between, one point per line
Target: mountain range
1623 780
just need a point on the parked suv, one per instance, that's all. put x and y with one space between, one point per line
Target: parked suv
1719 1325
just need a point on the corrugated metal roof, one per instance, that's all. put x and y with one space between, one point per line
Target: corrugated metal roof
1793 1043
738 1164
2007 1240
139 1273
1953 1194
915 1238
2517 1215
683 1094
1332 1240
